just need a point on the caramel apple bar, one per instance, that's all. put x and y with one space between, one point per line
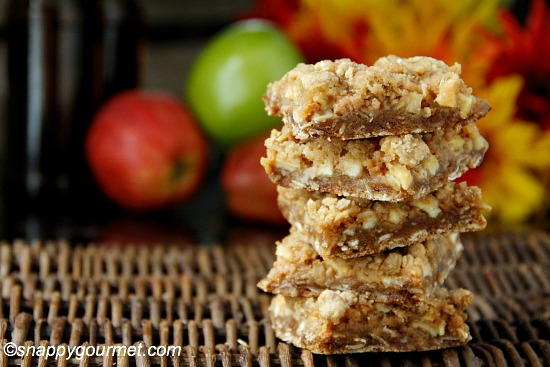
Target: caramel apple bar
391 168
394 96
349 227
405 275
347 322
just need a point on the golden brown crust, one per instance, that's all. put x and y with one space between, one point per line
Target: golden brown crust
392 168
406 275
394 96
349 227
346 322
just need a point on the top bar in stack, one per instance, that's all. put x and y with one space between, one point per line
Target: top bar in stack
395 96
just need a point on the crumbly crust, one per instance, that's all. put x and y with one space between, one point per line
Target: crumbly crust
348 227
394 96
346 322
405 275
392 168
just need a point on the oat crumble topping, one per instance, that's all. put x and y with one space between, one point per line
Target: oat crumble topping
392 168
349 227
405 275
392 97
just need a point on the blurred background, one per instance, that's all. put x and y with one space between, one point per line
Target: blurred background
142 121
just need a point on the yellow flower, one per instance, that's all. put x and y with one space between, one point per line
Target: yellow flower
447 30
517 150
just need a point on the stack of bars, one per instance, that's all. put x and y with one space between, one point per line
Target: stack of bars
364 165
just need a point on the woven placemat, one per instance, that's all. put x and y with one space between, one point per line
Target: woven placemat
204 298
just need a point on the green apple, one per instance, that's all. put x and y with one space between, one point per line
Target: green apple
227 81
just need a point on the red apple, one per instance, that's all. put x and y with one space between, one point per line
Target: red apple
145 150
250 193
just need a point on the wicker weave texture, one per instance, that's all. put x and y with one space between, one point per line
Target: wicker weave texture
205 299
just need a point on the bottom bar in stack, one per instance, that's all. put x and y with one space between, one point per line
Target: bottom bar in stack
346 322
